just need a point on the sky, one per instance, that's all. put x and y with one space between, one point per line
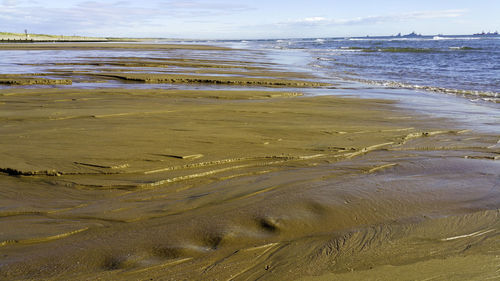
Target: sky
252 19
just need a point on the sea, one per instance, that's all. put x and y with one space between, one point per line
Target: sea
467 65
456 77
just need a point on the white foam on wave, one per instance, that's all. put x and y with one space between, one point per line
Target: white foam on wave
461 48
325 59
344 49
455 38
389 39
434 38
471 94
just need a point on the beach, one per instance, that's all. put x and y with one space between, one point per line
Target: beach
196 162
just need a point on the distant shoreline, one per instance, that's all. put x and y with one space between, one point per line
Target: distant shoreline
48 41
7 37
81 40
27 37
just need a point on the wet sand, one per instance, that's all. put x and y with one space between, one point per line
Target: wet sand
237 182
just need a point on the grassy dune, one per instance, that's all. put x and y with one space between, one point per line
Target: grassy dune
6 36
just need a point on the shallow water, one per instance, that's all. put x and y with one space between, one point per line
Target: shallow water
469 111
302 56
465 63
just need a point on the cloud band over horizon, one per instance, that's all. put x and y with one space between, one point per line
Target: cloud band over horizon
226 19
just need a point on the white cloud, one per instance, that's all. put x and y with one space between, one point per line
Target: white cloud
120 18
204 5
314 19
177 18
378 19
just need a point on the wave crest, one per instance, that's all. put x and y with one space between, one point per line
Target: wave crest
471 94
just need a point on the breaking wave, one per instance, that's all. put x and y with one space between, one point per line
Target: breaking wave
470 94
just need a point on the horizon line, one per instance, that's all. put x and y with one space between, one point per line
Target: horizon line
495 33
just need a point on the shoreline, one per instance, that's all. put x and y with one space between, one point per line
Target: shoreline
49 40
344 59
106 45
222 183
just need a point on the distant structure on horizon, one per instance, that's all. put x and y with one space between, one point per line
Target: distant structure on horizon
411 35
487 34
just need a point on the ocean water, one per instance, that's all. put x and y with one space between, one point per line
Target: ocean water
462 65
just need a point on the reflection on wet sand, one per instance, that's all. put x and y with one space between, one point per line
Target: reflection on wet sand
239 184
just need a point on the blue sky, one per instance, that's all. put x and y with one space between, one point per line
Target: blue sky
225 19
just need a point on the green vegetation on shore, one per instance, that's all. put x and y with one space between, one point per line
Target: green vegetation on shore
10 36
33 37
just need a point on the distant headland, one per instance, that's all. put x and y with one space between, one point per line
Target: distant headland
411 35
28 37
487 33
415 35
9 37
